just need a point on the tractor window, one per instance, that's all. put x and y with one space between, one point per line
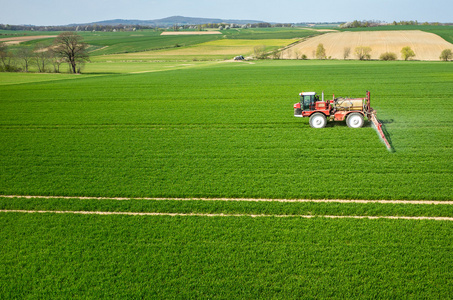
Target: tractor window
307 102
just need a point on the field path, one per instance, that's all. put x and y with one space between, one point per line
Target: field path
419 202
223 215
20 39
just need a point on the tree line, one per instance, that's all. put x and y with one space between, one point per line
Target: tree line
91 27
67 47
374 23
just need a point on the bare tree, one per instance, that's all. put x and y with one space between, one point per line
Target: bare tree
346 52
69 46
259 52
276 54
41 57
8 63
56 60
3 55
26 55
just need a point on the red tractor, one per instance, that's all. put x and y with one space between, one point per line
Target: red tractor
354 110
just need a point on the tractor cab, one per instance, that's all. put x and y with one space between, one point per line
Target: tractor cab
307 103
307 100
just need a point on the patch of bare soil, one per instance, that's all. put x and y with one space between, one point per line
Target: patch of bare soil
20 39
426 202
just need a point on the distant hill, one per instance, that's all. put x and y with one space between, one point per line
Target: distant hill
179 20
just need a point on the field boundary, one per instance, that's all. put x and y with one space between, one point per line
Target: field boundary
416 202
222 215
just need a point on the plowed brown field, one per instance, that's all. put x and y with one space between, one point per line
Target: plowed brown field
20 39
427 46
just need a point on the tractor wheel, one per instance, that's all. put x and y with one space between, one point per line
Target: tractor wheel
354 120
318 120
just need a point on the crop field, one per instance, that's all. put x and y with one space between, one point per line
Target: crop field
427 46
227 130
166 179
222 49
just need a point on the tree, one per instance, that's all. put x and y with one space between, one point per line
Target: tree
70 47
41 57
446 55
26 55
56 60
259 52
4 55
276 54
388 56
407 53
346 52
362 52
320 52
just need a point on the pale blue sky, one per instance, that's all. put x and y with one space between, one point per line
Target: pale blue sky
61 12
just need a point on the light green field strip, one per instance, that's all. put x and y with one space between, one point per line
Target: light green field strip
426 202
225 215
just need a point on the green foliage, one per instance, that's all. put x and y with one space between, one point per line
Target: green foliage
407 53
363 52
446 55
320 52
388 56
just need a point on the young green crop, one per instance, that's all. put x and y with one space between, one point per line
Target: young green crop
227 130
81 256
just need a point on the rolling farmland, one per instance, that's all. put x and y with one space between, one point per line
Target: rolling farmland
427 46
193 179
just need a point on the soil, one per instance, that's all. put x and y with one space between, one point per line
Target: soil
20 39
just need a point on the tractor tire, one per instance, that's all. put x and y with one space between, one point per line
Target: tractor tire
354 120
318 120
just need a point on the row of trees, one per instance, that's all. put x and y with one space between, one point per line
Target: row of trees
67 47
361 53
93 27
373 23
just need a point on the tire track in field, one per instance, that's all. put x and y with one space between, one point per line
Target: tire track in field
224 215
419 202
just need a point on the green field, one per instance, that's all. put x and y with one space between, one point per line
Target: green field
76 256
216 129
227 130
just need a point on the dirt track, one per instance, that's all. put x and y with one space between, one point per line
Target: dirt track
427 46
20 39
